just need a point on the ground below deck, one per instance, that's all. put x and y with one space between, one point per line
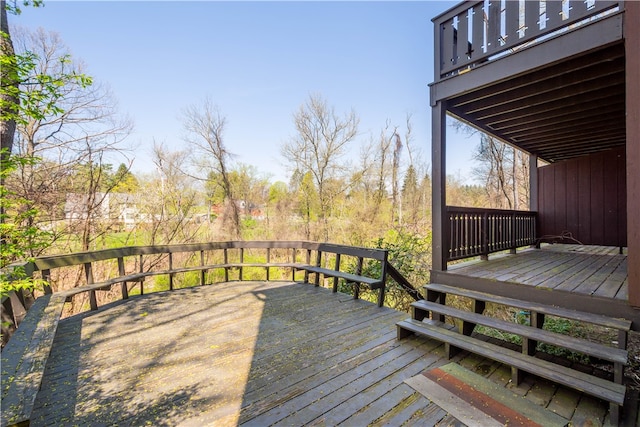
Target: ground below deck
252 353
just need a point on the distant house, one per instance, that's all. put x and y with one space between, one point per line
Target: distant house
245 209
79 206
120 208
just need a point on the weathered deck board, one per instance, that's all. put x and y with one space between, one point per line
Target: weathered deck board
249 353
599 270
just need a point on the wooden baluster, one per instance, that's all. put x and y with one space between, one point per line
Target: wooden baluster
337 268
531 18
123 286
46 275
268 261
88 272
318 264
462 39
512 22
485 237
241 262
293 261
356 285
142 278
203 272
171 271
226 261
477 47
308 261
493 26
478 307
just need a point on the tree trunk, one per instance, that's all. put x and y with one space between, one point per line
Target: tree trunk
9 80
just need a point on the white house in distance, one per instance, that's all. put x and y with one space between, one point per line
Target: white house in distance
117 207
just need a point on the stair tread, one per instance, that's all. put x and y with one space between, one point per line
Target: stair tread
596 319
581 381
587 347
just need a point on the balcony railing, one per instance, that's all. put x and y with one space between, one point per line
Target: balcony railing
479 232
475 32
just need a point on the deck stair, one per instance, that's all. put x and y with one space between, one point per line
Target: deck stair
429 319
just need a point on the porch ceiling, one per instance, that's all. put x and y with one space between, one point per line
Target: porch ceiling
568 109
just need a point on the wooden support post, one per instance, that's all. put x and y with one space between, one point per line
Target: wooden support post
226 261
88 272
614 414
632 81
516 375
529 345
485 237
16 307
142 278
337 268
318 264
356 285
512 230
533 189
438 184
203 272
383 277
618 368
467 327
381 293
306 273
171 271
451 350
268 261
402 333
419 313
46 275
439 297
123 286
241 262
293 261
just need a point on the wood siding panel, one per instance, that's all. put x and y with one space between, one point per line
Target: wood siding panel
622 198
632 73
610 205
572 201
597 199
585 197
547 196
560 198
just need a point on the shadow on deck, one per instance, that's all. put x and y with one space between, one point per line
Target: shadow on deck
254 353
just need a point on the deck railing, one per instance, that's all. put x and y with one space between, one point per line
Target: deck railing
478 232
475 32
120 270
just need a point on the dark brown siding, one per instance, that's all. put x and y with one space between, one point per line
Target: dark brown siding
632 67
586 197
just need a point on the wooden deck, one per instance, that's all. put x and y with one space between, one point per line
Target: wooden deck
257 354
588 278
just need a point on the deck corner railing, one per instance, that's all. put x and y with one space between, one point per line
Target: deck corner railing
475 232
128 267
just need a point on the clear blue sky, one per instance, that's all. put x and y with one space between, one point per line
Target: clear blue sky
258 61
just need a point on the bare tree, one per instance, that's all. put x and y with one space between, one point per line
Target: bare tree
77 125
205 125
505 173
169 199
503 170
322 140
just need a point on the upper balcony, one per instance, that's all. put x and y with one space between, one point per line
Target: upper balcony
558 80
545 76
